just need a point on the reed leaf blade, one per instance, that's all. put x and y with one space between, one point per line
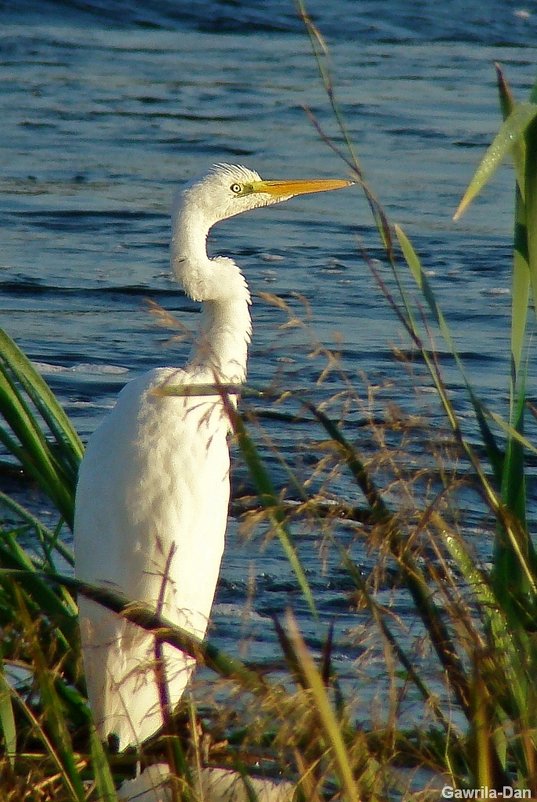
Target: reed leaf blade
7 717
509 134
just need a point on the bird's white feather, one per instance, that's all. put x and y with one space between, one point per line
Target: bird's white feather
151 514
153 490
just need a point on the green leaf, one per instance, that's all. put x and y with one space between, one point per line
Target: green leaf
269 499
7 718
531 204
26 402
507 104
50 540
104 780
412 259
512 677
42 396
331 727
510 133
58 607
57 725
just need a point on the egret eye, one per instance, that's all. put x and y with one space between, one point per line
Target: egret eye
236 189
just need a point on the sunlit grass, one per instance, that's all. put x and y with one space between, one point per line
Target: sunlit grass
453 702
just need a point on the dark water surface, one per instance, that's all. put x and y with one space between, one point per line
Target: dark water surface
107 106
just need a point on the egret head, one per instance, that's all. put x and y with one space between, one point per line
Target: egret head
230 189
226 190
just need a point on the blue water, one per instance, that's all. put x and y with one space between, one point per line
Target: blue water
107 107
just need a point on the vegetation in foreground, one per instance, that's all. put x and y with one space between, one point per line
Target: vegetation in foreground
475 694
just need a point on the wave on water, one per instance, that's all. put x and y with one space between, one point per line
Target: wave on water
215 16
494 23
237 611
100 370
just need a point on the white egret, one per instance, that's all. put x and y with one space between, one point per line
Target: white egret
153 489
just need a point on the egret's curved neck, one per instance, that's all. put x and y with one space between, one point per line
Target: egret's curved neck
226 327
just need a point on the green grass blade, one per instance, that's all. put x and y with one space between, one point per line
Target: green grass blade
512 432
413 576
59 607
413 261
379 615
24 425
509 577
26 402
31 447
42 396
520 292
513 480
506 649
147 618
269 499
521 270
511 131
487 768
44 534
104 780
331 729
51 704
7 718
530 200
507 105
379 509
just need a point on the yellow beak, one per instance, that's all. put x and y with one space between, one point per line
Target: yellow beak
299 186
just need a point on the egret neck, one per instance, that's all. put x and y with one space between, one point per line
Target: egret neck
226 327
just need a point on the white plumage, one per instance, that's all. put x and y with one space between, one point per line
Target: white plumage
153 489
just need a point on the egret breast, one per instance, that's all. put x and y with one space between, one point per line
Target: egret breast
150 521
